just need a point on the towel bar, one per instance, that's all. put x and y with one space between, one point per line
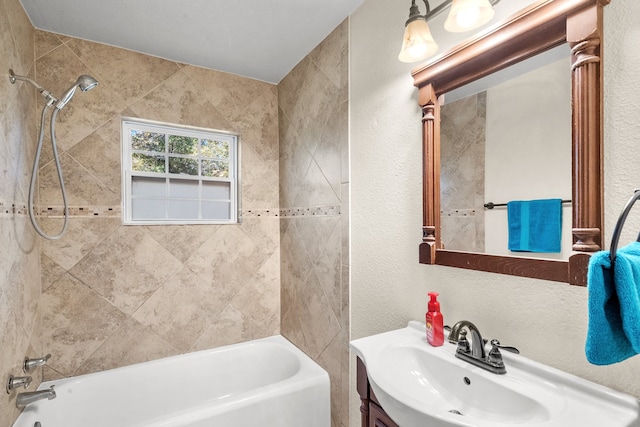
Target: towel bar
621 219
491 205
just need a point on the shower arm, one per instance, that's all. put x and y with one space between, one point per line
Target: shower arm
45 93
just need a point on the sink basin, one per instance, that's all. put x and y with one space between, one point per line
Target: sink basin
424 386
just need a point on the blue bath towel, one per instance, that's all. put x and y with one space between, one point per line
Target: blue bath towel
535 225
613 333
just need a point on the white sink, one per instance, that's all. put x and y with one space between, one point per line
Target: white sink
423 386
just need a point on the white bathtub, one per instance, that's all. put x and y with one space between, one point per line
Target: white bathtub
266 382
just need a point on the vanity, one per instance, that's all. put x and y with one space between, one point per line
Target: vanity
403 381
372 414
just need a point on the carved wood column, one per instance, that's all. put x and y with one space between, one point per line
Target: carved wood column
430 175
584 34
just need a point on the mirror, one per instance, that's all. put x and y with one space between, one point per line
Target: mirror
498 145
537 29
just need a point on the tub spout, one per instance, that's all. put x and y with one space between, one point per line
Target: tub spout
23 399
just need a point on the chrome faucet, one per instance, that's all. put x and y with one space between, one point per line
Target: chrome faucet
23 399
458 334
474 352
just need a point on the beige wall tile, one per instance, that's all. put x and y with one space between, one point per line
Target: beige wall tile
130 73
126 268
23 34
313 128
131 343
231 326
179 100
73 313
46 42
99 153
181 324
19 263
182 240
259 299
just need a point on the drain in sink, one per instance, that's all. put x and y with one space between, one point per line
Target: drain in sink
455 411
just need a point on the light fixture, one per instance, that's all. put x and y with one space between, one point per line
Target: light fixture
465 15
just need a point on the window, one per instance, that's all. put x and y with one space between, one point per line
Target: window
176 174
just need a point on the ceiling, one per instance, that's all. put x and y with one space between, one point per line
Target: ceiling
260 39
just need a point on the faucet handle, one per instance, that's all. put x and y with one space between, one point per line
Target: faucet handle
15 382
463 343
495 344
494 357
30 365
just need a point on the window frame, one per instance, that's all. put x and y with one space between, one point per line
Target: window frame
128 174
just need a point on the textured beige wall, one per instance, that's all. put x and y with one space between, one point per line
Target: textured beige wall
115 295
19 248
313 115
546 320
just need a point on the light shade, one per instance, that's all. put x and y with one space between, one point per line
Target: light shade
466 15
417 43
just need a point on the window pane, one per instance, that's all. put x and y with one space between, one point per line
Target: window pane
148 187
144 209
147 141
183 166
183 209
183 189
183 145
216 210
215 168
215 149
216 190
145 163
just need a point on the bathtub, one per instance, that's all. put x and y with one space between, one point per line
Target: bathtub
266 382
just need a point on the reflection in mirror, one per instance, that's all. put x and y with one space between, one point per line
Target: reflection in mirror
503 138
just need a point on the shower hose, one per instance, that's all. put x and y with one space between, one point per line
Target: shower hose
34 174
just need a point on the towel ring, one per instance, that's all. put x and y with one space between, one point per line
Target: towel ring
620 224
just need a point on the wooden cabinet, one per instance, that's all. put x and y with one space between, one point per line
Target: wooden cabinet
372 414
379 418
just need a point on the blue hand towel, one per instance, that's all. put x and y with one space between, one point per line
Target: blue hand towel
535 225
613 333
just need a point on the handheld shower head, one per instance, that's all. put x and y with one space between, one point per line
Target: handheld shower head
84 82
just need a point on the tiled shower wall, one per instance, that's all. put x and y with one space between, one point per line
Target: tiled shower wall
115 295
313 114
19 248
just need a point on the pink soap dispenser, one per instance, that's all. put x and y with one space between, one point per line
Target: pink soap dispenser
435 325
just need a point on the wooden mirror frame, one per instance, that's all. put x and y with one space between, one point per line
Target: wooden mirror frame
537 28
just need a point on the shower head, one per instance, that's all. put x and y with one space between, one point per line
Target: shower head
84 82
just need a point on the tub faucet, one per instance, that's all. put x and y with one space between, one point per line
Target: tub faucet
23 399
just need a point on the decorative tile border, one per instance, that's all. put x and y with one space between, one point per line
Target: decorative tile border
459 212
8 208
55 212
333 210
254 213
